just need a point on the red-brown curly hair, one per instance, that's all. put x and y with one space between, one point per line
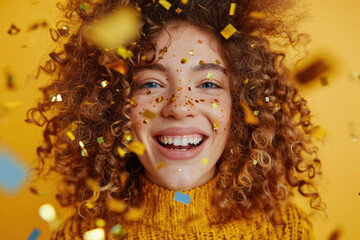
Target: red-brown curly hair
280 142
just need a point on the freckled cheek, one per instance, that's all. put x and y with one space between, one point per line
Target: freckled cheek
144 111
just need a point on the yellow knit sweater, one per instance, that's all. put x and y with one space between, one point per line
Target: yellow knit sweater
165 218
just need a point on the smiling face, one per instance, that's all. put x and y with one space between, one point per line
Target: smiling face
188 90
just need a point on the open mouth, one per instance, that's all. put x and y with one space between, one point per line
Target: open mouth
181 143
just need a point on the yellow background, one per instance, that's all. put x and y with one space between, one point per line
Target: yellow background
335 30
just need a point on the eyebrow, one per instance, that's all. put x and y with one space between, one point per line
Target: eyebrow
201 67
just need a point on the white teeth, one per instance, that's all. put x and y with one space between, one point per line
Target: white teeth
191 140
176 142
184 142
170 141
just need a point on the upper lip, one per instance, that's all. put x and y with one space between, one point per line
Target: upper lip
179 131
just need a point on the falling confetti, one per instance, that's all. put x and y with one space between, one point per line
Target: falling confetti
214 105
178 10
118 231
13 30
184 60
136 147
324 81
120 66
134 214
34 234
124 53
250 118
84 7
47 212
160 165
246 81
184 2
256 112
116 205
232 9
257 15
100 140
210 76
205 161
182 197
216 124
313 71
159 99
267 99
36 25
148 114
255 162
228 31
104 83
10 83
165 4
71 136
100 222
12 173
318 133
95 234
121 152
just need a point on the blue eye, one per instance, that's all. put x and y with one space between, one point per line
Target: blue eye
208 85
151 85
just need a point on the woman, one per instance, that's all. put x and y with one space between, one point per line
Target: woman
191 131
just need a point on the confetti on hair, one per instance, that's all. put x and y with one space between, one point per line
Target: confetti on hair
100 140
124 53
184 60
47 212
267 99
184 2
191 52
182 197
84 7
232 9
121 152
214 105
127 136
118 231
246 81
210 76
178 10
250 118
133 102
95 234
216 124
159 99
148 114
57 98
119 28
120 66
160 165
165 4
89 205
104 83
100 222
134 214
201 62
34 234
318 133
143 57
205 161
70 135
256 112
201 6
252 45
228 31
257 15
136 147
13 30
116 205
84 152
255 162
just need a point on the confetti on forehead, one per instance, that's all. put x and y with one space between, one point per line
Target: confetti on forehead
36 25
95 234
228 31
182 197
201 62
165 4
232 9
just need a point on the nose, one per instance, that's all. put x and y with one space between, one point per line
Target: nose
180 105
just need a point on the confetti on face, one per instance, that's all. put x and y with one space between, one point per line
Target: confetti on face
191 52
210 76
34 234
214 105
255 162
172 99
163 50
228 31
104 83
159 99
47 212
148 114
179 88
267 99
84 7
118 231
12 174
189 88
121 152
100 222
116 205
200 41
165 4
178 10
132 102
257 15
136 147
205 161
120 66
201 62
184 60
216 124
232 9
160 165
95 234
100 140
217 61
13 30
146 121
134 214
250 118
182 197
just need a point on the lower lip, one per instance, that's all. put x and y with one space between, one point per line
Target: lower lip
179 155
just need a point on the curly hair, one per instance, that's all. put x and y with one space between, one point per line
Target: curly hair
262 162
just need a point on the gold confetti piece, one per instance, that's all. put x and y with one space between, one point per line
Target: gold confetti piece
250 118
124 53
257 15
184 60
136 147
252 45
81 144
143 57
160 165
13 30
120 66
57 98
178 10
217 61
191 52
118 231
117 205
71 136
47 212
104 83
127 136
92 184
89 205
119 28
201 62
163 50
205 161
216 124
228 31
132 102
210 76
84 7
184 2
121 152
267 99
100 222
165 4
246 81
232 9
256 112
100 140
112 102
145 121
95 234
318 133
201 6
172 99
255 162
148 92
134 214
148 114
159 99
84 153
179 88
214 105
11 105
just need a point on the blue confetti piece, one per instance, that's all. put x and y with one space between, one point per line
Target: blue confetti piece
12 174
182 197
35 234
